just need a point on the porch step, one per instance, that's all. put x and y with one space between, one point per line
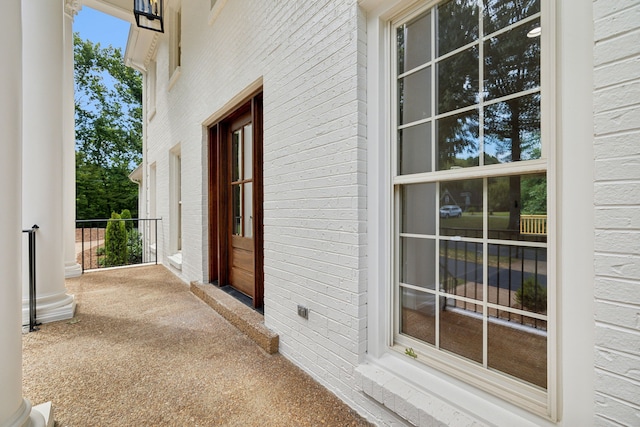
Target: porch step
249 321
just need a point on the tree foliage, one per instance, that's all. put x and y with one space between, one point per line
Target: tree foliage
108 102
510 66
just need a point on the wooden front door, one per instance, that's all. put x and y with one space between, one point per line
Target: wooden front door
235 201
241 243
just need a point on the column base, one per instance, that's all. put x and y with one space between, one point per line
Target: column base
28 416
50 309
46 410
72 270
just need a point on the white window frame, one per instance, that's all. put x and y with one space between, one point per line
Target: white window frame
152 78
543 403
175 208
175 45
153 203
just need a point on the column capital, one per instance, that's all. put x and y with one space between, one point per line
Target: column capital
72 7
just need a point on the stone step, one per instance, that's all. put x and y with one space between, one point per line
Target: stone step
247 320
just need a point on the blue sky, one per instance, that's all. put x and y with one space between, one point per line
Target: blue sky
101 28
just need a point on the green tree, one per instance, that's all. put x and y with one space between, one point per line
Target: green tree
534 199
510 65
108 130
115 242
126 214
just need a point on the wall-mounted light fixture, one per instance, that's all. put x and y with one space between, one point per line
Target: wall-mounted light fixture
149 14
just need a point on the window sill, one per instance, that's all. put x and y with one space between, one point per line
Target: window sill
423 397
175 260
174 77
215 11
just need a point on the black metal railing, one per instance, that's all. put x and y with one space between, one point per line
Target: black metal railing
31 233
517 278
131 241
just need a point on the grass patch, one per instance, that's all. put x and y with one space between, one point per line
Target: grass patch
497 221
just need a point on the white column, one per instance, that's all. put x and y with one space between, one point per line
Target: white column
14 410
43 66
71 266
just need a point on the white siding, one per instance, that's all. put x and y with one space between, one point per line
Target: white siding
617 211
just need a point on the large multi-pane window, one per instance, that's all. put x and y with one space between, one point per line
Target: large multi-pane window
470 190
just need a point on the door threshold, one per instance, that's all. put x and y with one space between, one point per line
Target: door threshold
243 298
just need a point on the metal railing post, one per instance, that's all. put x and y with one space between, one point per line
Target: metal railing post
155 239
33 323
82 231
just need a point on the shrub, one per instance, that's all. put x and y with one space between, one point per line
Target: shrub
532 295
115 242
134 245
126 214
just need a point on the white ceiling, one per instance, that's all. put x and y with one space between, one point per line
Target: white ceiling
122 9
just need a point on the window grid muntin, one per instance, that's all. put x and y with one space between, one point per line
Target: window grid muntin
437 238
504 169
482 103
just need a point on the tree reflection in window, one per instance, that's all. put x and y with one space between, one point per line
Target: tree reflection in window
494 67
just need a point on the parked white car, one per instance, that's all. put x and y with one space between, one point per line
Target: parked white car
450 211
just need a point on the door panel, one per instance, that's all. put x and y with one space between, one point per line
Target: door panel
243 281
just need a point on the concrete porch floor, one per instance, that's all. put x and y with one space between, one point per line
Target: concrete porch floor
143 350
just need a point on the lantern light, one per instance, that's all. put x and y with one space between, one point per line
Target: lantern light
149 14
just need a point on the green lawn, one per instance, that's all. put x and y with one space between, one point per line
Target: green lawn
497 221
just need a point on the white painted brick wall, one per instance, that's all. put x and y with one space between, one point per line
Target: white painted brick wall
310 56
617 211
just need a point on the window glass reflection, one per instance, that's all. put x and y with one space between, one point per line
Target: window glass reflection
248 209
458 85
460 209
512 62
414 44
247 151
512 130
518 207
417 260
414 149
414 96
527 360
498 14
236 155
461 333
461 269
418 315
419 209
458 140
237 209
517 278
457 25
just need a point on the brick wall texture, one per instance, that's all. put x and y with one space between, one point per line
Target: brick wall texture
617 211
310 56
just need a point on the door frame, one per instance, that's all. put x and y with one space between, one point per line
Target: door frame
219 179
